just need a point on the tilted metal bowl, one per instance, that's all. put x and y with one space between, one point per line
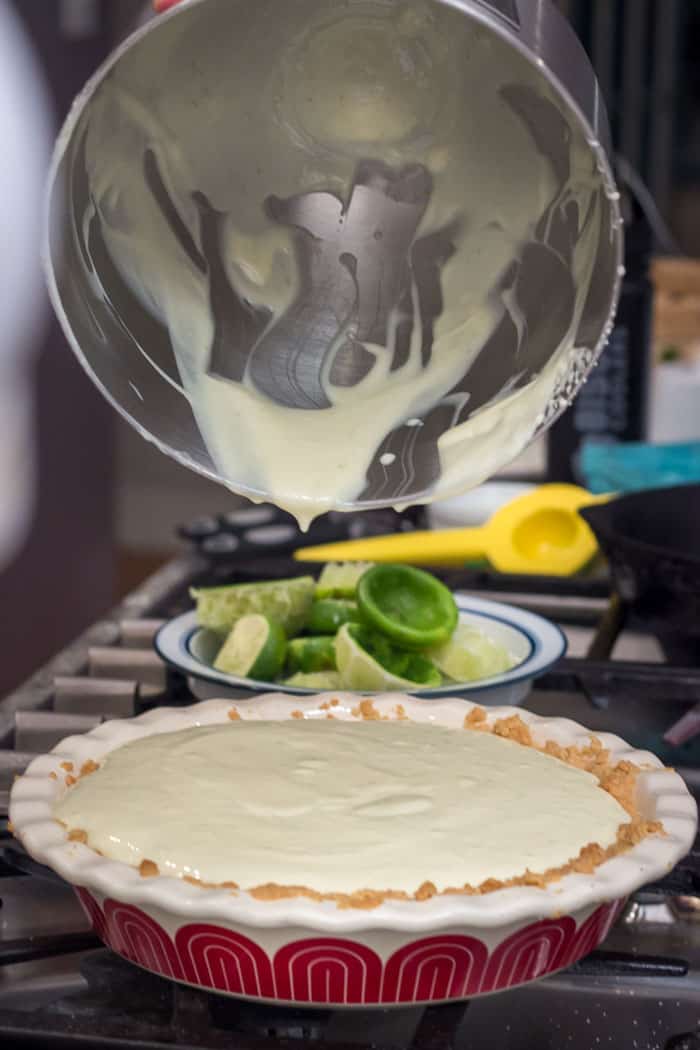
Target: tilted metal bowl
296 200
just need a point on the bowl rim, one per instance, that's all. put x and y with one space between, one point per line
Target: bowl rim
663 796
547 642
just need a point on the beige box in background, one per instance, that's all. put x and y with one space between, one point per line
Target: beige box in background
675 392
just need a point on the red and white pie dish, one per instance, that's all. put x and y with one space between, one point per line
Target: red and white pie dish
299 950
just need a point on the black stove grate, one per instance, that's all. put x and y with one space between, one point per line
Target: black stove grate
121 1006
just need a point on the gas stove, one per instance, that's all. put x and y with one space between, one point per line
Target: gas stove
59 988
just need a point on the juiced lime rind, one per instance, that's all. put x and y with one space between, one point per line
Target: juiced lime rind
408 605
340 579
470 655
361 671
309 654
372 660
288 602
328 615
321 680
255 648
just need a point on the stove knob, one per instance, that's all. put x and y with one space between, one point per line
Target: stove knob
221 543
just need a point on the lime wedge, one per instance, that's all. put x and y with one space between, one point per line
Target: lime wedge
340 579
328 615
255 648
369 662
470 655
316 653
408 605
286 601
315 680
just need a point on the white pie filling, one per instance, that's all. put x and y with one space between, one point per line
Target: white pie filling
338 806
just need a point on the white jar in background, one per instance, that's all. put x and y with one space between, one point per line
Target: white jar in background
675 403
475 507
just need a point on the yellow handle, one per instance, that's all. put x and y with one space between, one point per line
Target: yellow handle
444 547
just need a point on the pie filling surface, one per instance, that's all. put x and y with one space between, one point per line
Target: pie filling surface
334 808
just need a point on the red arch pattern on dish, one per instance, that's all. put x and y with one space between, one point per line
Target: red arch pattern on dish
529 953
340 971
135 935
230 962
93 911
442 967
328 970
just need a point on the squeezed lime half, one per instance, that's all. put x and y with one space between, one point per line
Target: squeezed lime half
408 605
369 662
288 602
255 648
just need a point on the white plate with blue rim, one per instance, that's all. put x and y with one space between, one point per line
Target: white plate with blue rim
534 643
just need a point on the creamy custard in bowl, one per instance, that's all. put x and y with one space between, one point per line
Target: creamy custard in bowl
355 811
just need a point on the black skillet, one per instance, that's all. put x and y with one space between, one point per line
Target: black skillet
652 542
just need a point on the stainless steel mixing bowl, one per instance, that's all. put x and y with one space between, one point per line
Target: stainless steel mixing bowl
294 188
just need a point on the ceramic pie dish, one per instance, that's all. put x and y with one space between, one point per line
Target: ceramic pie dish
300 950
